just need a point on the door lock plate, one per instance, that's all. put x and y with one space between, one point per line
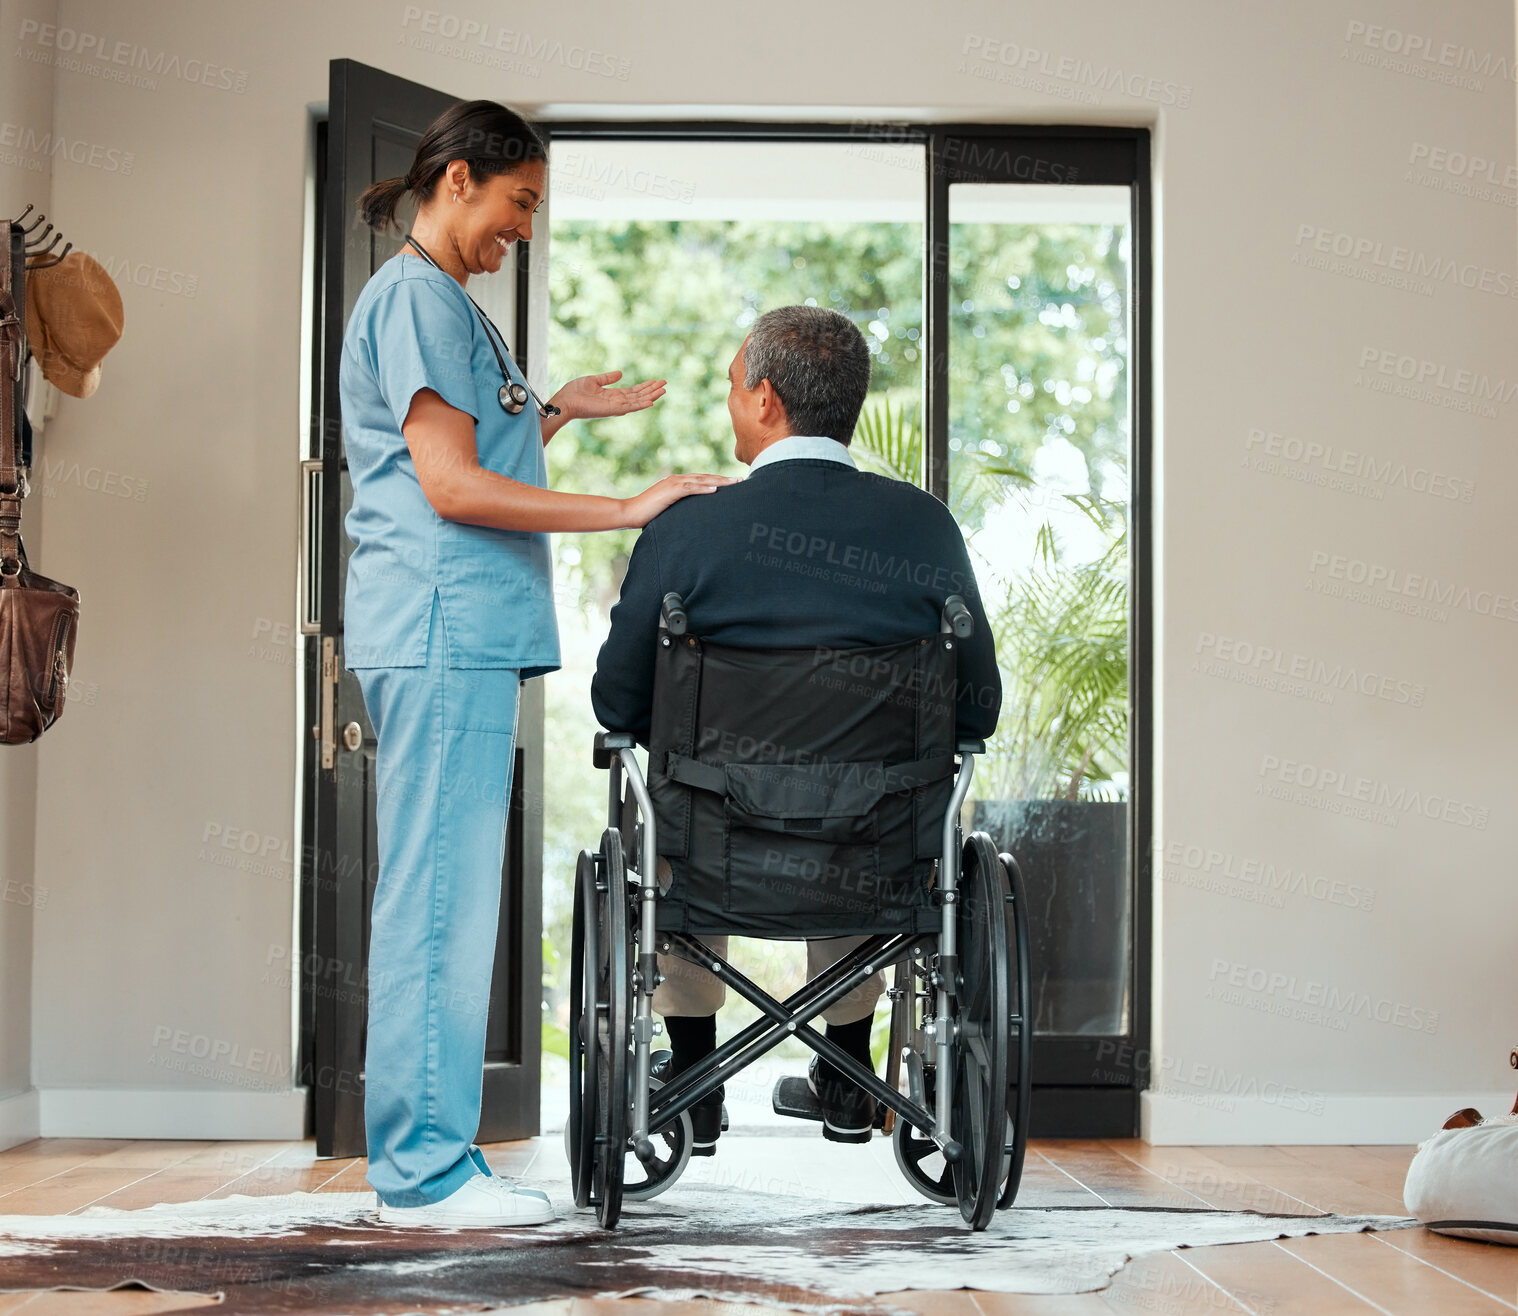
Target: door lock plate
329 701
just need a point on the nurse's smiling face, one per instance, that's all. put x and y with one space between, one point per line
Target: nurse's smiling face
489 215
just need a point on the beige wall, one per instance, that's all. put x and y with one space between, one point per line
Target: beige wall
26 117
146 945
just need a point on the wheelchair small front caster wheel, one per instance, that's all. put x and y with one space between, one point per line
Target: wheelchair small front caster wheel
671 1147
922 1162
921 1159
671 1154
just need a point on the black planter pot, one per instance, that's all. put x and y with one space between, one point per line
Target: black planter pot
1074 860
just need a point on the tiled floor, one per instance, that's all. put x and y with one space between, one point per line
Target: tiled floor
1407 1272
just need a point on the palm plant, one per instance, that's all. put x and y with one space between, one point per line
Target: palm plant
890 443
1061 631
1062 645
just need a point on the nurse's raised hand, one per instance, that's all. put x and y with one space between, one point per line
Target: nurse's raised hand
590 398
642 508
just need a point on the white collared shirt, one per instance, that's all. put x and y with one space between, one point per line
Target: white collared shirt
804 447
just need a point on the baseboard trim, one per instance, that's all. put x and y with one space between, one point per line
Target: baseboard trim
1214 1119
210 1114
19 1119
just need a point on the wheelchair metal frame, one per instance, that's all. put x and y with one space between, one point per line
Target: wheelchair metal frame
790 1018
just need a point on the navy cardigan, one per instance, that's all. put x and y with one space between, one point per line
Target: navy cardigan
803 552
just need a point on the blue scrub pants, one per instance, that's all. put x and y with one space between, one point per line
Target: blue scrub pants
446 740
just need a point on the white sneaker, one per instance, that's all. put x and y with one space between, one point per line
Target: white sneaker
482 1201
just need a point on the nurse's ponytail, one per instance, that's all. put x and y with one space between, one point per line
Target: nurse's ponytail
487 136
379 201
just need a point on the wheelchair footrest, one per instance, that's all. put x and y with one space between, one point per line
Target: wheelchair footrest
793 1096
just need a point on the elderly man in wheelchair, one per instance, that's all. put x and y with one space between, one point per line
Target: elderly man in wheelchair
806 659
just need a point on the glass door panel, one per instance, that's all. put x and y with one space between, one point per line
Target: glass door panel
1039 478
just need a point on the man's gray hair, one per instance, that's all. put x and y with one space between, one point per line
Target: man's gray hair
817 361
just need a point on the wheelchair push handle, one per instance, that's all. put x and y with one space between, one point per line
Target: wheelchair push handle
672 614
957 618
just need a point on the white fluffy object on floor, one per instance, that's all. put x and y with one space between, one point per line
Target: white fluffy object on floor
1465 1181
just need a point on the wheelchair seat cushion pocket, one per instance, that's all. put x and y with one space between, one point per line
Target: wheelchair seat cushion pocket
789 806
813 797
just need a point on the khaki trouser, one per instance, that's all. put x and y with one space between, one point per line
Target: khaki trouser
689 989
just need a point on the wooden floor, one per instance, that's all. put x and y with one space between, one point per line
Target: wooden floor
1404 1272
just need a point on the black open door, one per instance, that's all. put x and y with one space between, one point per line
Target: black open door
374 122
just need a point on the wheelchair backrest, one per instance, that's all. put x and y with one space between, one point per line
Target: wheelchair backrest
800 790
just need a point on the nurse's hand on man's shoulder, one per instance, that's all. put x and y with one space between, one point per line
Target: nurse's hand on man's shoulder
642 508
589 398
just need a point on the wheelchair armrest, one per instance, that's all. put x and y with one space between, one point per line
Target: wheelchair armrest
607 744
969 745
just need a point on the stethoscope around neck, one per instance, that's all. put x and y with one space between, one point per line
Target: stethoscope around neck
511 395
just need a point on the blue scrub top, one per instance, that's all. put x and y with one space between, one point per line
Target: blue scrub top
413 327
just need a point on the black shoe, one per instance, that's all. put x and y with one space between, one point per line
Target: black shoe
848 1111
708 1117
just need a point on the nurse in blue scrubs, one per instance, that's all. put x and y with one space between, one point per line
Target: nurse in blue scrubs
448 609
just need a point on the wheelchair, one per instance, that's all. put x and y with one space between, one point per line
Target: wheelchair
780 798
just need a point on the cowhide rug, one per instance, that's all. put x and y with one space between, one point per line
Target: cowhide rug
325 1253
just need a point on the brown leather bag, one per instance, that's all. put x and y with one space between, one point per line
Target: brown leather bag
38 617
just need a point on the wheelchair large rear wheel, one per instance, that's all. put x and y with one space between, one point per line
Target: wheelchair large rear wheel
1019 1034
599 1007
982 1009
